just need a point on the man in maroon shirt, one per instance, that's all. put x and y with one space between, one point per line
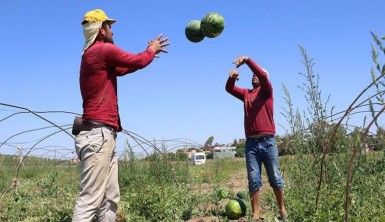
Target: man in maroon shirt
102 62
260 130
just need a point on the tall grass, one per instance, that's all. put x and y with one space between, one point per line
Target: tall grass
331 181
44 191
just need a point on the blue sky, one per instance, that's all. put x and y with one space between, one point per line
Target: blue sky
181 94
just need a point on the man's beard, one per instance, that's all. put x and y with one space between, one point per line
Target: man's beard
109 40
255 84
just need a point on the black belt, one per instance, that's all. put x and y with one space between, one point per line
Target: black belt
256 138
90 124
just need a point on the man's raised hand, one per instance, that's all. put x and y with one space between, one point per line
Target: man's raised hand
159 44
240 61
234 74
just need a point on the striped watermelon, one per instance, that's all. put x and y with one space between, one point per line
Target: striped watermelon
212 24
235 209
193 31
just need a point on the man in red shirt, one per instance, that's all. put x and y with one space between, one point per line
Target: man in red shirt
102 62
259 126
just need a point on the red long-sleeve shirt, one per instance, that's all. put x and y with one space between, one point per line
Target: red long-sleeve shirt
258 103
100 66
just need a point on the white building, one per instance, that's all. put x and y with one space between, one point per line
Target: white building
224 152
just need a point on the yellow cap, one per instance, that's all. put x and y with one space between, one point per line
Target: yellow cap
96 15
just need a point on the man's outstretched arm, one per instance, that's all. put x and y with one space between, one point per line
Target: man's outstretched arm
258 71
230 85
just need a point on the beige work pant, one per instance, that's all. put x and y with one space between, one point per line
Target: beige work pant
99 189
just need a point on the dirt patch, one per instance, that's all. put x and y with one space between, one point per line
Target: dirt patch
204 219
237 182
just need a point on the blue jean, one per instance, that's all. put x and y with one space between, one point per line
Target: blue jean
262 150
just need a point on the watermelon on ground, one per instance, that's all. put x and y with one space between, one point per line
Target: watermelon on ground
242 203
193 31
242 195
235 209
212 24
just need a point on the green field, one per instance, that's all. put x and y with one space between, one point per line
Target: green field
164 190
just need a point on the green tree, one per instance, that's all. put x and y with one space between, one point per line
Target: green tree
235 143
208 143
240 150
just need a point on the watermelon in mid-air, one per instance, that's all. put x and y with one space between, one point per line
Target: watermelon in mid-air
212 24
193 31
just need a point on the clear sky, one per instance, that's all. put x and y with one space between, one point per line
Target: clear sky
181 94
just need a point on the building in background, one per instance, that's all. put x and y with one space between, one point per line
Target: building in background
198 158
224 152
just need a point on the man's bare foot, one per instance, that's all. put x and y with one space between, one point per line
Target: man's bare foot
283 215
258 219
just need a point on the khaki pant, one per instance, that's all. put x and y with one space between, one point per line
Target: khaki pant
99 189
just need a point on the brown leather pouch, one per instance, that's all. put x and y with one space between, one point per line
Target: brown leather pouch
77 125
